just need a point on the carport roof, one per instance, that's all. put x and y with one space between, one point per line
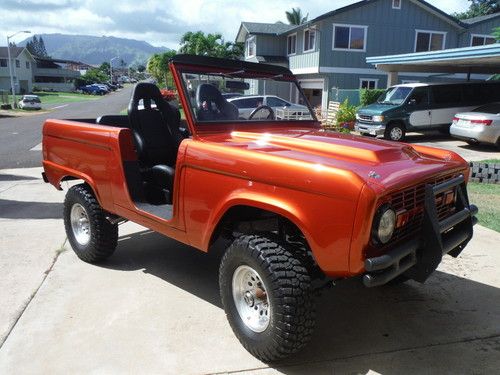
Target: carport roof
481 59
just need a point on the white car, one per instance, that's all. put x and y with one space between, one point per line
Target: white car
30 102
247 104
481 125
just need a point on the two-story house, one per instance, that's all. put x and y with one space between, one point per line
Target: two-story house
22 66
330 51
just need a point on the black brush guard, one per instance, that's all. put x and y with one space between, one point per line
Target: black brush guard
419 257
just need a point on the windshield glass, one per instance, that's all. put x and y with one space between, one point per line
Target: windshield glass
395 95
241 97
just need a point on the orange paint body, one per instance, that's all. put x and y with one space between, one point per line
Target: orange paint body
320 181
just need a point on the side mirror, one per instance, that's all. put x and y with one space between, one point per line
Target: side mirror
412 101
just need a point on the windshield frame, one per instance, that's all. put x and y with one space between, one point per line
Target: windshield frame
217 126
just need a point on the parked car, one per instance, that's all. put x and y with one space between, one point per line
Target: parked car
102 86
294 206
481 125
230 95
422 106
30 102
249 104
93 90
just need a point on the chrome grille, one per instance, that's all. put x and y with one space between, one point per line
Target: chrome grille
365 117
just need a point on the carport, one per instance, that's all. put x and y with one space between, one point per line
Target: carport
468 60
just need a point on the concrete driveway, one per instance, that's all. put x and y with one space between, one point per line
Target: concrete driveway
468 152
154 307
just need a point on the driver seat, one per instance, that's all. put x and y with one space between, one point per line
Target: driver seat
157 138
212 106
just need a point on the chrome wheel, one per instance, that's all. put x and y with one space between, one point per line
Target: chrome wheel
396 134
80 224
250 298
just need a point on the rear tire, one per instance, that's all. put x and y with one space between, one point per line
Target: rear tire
266 294
395 132
92 237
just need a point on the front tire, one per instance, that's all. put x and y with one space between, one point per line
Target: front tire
395 132
266 294
92 237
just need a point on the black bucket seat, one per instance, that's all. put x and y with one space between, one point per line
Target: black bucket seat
157 138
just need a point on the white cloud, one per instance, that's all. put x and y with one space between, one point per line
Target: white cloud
157 22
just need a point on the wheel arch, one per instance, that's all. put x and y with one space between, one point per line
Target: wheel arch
247 209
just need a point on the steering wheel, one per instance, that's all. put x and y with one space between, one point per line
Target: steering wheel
271 115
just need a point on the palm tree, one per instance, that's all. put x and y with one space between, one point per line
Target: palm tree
295 17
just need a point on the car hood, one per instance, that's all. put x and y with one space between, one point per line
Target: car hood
376 109
377 162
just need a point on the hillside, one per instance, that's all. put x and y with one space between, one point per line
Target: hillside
95 50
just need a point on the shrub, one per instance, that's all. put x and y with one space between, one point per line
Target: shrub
346 113
369 96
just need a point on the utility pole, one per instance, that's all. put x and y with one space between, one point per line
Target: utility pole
111 68
11 67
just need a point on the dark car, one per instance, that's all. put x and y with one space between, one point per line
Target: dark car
92 90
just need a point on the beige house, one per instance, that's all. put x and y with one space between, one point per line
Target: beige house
23 64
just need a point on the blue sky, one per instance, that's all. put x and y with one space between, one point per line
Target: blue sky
160 23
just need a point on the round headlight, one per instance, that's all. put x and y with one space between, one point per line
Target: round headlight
384 227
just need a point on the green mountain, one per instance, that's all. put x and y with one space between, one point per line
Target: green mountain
95 50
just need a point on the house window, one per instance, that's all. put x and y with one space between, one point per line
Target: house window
349 37
481 40
250 46
18 64
27 64
368 83
429 40
3 63
396 4
309 39
291 45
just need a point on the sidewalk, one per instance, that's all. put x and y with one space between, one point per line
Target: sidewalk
154 307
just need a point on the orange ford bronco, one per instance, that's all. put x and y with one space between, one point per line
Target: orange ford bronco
251 165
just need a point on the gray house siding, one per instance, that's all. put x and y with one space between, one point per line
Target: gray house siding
271 45
387 33
481 28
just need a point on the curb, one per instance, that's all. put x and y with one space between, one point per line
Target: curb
488 173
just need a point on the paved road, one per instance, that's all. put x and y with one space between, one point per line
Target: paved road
20 134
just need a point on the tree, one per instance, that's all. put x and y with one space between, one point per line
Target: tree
197 43
479 8
295 17
158 67
496 33
94 75
37 47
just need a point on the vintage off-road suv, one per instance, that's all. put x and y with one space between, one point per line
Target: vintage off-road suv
296 205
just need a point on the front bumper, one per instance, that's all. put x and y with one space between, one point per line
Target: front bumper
372 129
417 259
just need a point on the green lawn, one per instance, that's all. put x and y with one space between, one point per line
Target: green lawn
493 161
63 97
487 198
59 97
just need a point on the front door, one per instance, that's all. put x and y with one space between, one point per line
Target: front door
418 106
